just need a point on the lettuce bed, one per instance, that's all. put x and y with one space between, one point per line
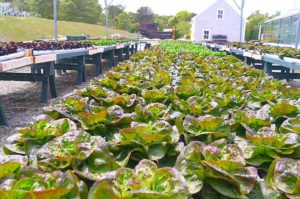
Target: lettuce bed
260 48
166 124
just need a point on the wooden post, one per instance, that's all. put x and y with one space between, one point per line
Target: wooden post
97 61
3 120
268 67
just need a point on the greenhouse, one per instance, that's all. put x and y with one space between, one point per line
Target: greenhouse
283 29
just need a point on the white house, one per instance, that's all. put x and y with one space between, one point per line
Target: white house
222 18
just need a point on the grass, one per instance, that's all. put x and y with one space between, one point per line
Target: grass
25 29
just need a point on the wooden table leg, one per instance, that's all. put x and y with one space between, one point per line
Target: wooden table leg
97 62
267 67
132 49
80 70
112 58
3 121
120 55
46 81
127 52
52 80
45 86
247 60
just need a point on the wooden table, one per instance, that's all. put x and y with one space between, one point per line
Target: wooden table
119 52
94 56
43 62
109 54
286 67
270 64
73 59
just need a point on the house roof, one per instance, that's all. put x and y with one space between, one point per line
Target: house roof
288 14
230 2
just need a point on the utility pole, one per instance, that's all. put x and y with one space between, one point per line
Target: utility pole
106 16
241 7
298 34
55 19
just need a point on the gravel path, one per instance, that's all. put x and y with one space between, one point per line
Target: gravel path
21 100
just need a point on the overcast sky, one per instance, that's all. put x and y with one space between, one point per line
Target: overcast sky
171 7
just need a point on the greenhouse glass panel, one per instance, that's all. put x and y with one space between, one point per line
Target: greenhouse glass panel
280 31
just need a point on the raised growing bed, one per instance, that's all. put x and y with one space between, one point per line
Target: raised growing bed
167 124
268 62
47 57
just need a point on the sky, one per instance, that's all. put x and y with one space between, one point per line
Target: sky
171 7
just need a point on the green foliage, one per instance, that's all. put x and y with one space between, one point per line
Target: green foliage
180 47
215 127
22 5
42 8
106 42
259 48
144 14
87 11
182 23
114 11
163 22
253 24
126 21
220 165
146 181
182 28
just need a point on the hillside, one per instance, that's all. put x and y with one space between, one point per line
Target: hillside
24 29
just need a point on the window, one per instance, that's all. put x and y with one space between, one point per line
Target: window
220 14
206 34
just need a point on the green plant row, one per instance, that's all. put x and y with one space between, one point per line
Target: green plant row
106 42
266 49
163 125
188 47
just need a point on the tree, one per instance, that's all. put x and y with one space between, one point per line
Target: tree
123 21
184 16
182 22
183 28
87 11
144 14
253 24
126 21
22 5
44 8
114 11
162 21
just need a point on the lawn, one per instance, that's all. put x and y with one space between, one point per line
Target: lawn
24 29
